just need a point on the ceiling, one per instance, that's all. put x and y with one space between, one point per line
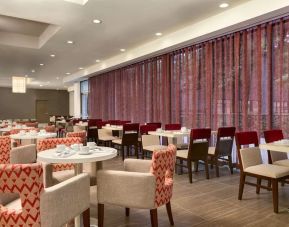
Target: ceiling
51 23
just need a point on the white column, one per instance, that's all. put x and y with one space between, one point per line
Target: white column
77 106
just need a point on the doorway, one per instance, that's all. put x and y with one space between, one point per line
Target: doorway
42 115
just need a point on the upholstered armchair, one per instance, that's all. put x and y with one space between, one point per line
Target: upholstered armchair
56 173
81 134
24 154
51 207
5 146
145 184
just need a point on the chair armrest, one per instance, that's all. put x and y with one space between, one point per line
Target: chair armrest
128 189
64 201
47 174
24 154
137 165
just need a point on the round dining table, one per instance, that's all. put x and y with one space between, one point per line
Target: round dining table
95 154
33 137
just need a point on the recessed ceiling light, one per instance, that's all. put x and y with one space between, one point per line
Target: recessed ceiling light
57 78
52 55
41 64
159 34
41 85
67 73
122 50
97 60
33 70
224 5
69 42
80 68
97 21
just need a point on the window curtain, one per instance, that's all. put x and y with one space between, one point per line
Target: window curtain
140 92
239 79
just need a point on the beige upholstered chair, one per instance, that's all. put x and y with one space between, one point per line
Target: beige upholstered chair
151 143
24 154
50 207
78 128
105 136
251 165
145 184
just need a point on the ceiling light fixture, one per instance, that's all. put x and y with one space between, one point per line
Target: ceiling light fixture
18 84
224 5
41 85
122 50
69 42
67 73
41 64
52 55
97 60
97 21
159 34
80 68
33 70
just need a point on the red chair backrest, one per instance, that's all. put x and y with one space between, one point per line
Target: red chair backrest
131 127
200 133
273 135
156 124
93 122
144 129
226 132
173 126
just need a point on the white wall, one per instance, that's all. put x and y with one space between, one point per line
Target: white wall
76 103
71 103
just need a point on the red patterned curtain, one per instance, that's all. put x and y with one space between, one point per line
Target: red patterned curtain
140 92
240 79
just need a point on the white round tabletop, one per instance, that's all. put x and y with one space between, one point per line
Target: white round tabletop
28 136
102 154
7 129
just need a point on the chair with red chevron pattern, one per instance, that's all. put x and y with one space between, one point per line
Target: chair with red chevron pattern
5 147
81 134
37 206
61 171
145 184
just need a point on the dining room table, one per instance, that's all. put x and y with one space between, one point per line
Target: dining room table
33 136
77 157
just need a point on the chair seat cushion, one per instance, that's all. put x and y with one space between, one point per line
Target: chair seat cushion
284 162
14 205
106 138
117 141
154 147
182 146
212 150
268 170
62 175
182 154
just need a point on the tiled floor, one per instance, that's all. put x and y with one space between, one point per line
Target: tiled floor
204 203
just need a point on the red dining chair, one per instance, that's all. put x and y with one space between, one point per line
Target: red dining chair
129 139
173 127
156 124
223 149
251 165
275 157
198 150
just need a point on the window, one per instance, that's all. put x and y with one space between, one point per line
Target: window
84 98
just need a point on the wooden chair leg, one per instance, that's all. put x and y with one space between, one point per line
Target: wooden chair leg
189 164
181 166
86 218
122 152
207 169
169 211
127 211
230 164
217 167
196 166
154 217
275 194
259 181
241 185
100 214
